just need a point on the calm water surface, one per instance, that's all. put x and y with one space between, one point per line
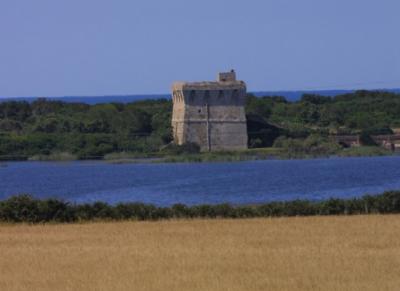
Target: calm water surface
196 183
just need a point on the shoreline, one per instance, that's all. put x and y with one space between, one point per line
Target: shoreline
240 156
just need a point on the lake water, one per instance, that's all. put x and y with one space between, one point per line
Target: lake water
197 183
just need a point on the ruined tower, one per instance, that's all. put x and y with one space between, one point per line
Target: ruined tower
210 114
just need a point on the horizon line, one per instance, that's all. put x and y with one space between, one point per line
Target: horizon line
165 94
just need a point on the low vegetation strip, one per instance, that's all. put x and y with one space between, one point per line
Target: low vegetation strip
25 208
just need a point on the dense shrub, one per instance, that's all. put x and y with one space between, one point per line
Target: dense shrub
261 133
45 127
25 208
366 139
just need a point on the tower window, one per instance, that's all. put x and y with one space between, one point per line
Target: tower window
192 95
235 95
221 94
206 96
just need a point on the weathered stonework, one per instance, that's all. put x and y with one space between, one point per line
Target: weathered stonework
210 114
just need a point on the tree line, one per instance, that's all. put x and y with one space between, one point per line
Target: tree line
44 127
25 208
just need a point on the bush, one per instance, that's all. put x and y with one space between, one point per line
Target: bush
24 208
366 139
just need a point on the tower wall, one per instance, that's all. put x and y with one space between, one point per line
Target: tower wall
210 114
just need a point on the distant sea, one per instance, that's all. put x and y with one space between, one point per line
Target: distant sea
289 95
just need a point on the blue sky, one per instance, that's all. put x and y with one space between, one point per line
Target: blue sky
104 47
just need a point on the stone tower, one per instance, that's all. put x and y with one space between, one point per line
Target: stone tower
210 114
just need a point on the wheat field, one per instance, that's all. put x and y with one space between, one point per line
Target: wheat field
315 253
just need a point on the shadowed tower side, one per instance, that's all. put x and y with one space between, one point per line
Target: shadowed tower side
210 114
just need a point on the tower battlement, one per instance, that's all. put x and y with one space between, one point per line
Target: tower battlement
227 76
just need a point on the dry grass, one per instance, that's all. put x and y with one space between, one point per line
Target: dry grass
317 253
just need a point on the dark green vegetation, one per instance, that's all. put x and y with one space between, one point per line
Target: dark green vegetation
24 208
56 130
88 132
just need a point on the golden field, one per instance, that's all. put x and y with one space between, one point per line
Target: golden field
315 253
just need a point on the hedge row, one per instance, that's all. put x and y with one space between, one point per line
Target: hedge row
24 208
